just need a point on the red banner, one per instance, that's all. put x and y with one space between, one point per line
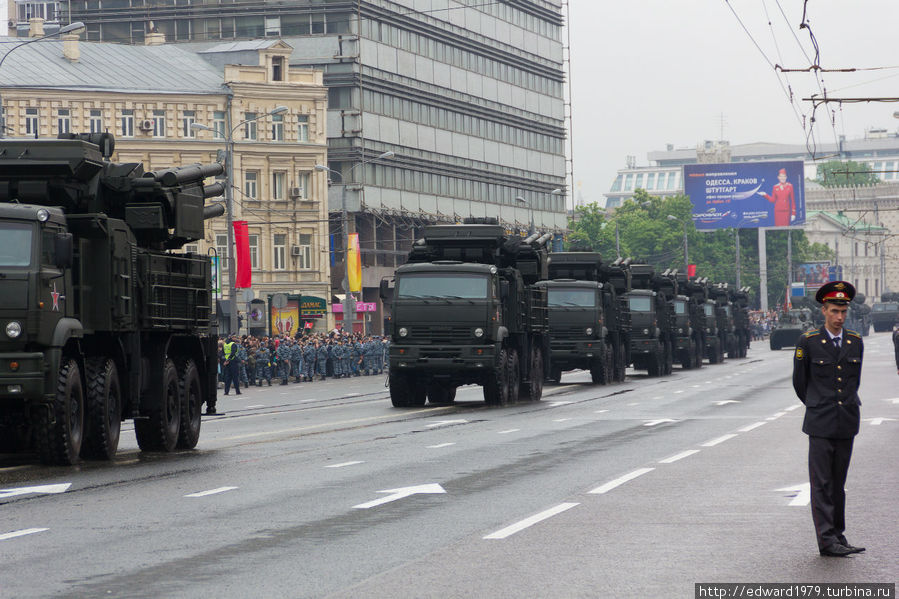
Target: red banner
244 276
691 270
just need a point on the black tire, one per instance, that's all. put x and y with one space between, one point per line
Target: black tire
191 404
160 430
438 394
401 390
669 359
698 347
555 374
514 367
686 358
533 389
103 417
60 442
713 351
496 387
600 373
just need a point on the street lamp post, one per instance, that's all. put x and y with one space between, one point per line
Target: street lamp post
349 307
76 27
686 258
737 237
233 323
533 229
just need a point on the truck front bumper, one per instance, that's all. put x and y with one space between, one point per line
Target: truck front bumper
644 346
442 358
22 376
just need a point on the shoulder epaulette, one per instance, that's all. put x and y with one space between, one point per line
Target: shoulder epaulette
812 333
853 333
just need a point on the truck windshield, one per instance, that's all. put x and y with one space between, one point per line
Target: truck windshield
709 310
450 286
680 307
640 304
15 244
886 307
572 297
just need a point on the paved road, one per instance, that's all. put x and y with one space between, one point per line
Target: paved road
324 490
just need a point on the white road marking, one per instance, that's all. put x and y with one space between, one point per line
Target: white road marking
678 391
21 533
59 488
600 411
352 395
726 401
720 439
528 522
345 464
211 492
791 408
660 421
556 404
440 445
254 407
695 386
633 404
802 494
878 421
561 419
445 423
656 397
752 426
679 456
775 416
511 430
619 481
401 493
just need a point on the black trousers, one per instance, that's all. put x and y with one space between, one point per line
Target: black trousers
828 464
232 376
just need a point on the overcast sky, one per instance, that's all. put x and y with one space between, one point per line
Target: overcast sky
647 73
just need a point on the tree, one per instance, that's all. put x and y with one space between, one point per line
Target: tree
837 173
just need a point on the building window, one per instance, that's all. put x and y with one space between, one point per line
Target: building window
251 185
159 123
218 124
278 68
188 118
304 259
96 121
250 127
302 128
639 183
650 180
221 245
629 182
277 127
31 122
672 181
273 28
128 123
278 178
302 189
254 251
63 120
191 248
279 251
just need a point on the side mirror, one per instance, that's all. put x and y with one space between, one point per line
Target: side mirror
384 290
64 250
504 290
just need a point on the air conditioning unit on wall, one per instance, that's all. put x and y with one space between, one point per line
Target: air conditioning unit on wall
146 125
295 250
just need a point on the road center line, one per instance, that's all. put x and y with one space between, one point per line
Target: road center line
620 481
791 408
776 416
252 407
679 456
752 426
211 492
720 439
528 522
21 533
511 430
439 446
345 464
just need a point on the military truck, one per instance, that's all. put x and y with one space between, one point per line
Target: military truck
689 332
652 320
885 313
739 301
724 314
588 328
859 317
790 326
102 320
466 310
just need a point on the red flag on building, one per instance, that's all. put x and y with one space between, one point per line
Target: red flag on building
243 278
691 270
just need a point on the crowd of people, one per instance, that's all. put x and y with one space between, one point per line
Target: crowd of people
250 360
761 323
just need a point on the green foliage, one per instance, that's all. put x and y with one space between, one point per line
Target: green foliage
646 234
838 173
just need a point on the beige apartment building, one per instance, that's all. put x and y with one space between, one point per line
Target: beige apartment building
168 106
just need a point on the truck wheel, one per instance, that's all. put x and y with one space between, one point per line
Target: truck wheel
599 374
103 418
698 355
686 358
191 404
654 364
514 376
60 442
438 394
159 432
400 390
533 390
555 374
496 387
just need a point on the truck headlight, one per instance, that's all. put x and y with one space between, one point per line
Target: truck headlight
681 331
708 330
479 332
589 331
646 331
404 332
13 329
43 215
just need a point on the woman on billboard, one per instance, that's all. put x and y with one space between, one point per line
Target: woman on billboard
783 199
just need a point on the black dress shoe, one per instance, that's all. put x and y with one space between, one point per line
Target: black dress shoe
852 548
210 411
836 550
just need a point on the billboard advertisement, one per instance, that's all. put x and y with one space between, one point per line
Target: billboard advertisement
746 194
813 274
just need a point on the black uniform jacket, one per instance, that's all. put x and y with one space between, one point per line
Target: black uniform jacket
826 379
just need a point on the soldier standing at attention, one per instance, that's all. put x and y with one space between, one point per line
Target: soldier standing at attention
896 344
827 369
